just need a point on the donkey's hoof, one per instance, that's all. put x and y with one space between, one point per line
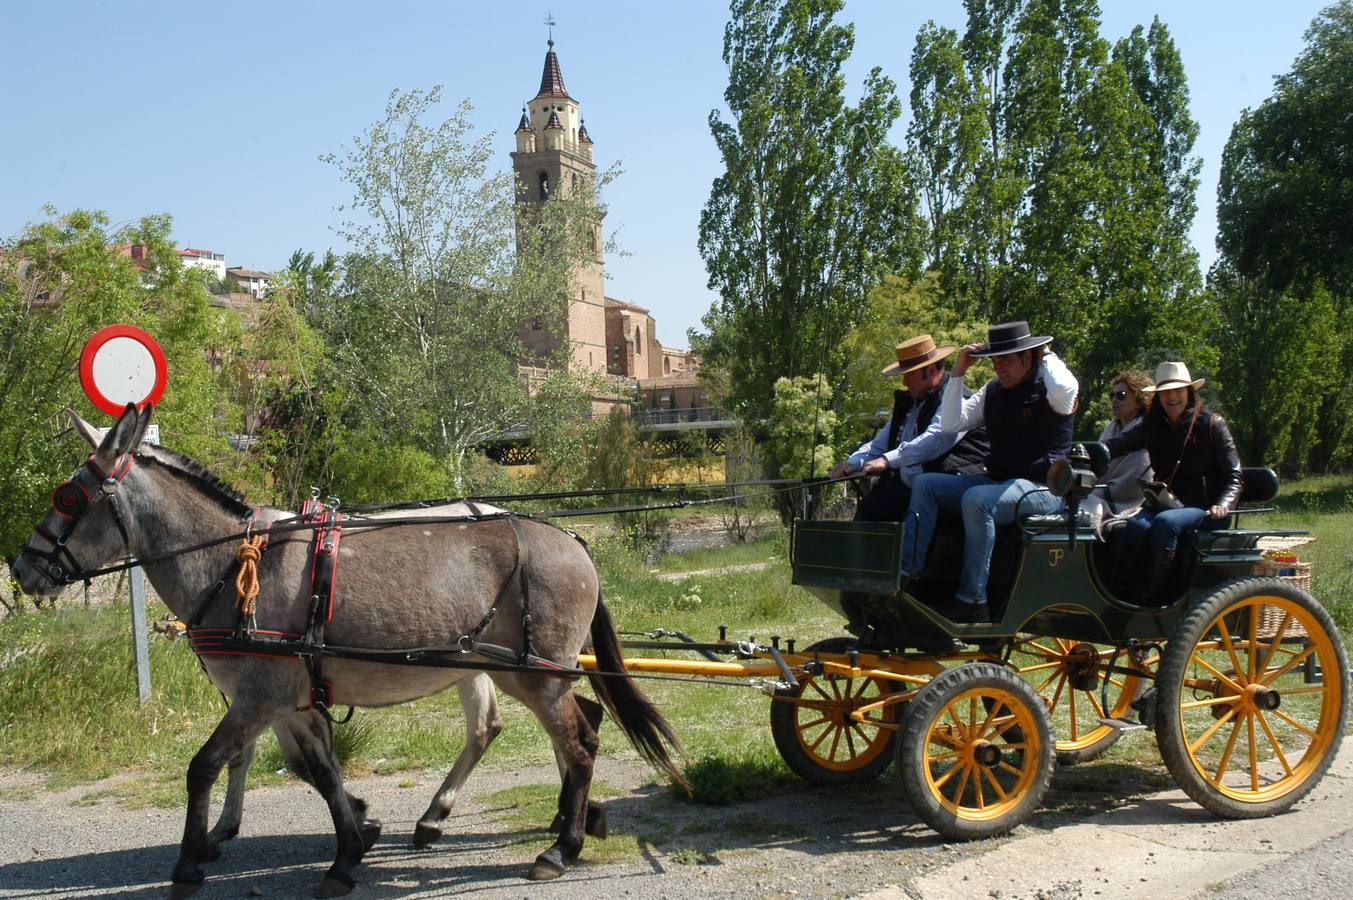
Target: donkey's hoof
425 833
370 831
548 866
335 886
596 821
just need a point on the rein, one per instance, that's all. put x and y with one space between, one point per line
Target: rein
81 574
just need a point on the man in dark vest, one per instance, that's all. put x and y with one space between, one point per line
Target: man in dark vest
911 442
1028 410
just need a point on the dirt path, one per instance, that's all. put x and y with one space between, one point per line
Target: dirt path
801 842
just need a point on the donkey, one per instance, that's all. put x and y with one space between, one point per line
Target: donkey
397 587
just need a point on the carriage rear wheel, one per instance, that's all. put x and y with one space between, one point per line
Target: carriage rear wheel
962 775
815 733
1070 676
1252 698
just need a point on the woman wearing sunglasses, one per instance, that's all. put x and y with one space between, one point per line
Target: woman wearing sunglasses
1192 450
1119 494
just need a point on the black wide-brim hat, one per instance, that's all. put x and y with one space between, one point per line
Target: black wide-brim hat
1010 337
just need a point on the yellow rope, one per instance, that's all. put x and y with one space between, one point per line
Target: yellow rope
246 582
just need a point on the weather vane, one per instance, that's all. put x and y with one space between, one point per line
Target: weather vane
550 23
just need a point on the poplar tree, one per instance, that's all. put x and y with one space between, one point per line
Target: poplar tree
813 206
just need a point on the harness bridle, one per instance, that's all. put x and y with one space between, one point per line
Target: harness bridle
71 499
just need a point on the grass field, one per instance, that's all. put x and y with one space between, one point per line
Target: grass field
68 706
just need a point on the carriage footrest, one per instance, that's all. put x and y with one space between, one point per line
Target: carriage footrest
1123 725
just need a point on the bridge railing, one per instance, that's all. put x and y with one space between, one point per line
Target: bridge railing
649 417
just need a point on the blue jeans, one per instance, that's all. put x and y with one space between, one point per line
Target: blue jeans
1163 528
984 504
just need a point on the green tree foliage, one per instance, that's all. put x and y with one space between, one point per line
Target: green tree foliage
61 280
813 206
425 331
1058 181
1285 277
1285 197
799 429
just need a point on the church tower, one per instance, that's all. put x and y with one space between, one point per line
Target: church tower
554 155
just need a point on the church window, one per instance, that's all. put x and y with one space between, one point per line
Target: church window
544 185
638 340
666 367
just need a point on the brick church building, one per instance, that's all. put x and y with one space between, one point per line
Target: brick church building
606 336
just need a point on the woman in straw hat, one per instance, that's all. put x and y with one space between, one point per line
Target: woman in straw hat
1192 450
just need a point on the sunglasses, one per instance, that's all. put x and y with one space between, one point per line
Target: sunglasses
1118 395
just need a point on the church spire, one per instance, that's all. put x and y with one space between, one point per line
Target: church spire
552 78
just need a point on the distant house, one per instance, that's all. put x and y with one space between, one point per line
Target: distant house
248 281
209 260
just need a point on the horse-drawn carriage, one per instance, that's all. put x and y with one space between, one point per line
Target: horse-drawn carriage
1249 674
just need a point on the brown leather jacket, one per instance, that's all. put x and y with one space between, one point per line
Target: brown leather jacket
1208 472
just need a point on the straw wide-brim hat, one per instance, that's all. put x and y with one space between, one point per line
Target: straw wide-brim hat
917 353
1010 337
1173 375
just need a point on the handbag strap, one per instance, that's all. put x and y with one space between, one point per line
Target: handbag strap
1198 408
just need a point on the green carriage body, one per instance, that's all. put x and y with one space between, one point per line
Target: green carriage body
1043 579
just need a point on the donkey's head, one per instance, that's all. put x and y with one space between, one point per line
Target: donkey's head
84 528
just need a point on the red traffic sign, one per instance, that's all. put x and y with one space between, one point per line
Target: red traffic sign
122 364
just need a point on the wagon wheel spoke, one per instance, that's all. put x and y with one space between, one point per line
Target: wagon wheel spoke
826 733
1288 666
995 783
1046 651
1095 705
1075 727
1254 754
1226 754
816 685
1295 724
1211 701
977 787
1272 739
1009 768
1054 664
1207 735
1251 639
1050 679
1221 676
1007 722
1230 646
1275 642
949 774
814 723
962 785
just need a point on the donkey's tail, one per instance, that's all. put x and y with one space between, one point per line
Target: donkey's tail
641 721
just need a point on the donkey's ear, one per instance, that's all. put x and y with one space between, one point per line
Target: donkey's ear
84 429
142 423
122 437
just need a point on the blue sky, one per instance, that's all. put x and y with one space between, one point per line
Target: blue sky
217 113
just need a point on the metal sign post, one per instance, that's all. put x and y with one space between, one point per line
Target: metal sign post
122 364
140 644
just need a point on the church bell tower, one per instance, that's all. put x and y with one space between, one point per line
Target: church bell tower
554 158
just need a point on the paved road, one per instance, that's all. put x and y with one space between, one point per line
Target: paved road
860 842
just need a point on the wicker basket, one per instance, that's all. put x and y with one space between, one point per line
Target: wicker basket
1299 573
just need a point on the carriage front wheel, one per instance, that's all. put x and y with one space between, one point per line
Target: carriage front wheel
1252 698
960 772
815 733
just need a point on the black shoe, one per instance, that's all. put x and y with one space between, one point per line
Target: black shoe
967 613
1145 705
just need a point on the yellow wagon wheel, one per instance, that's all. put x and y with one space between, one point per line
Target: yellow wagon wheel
1069 676
814 731
1253 698
962 775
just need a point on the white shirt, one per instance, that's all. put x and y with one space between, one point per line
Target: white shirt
912 450
958 414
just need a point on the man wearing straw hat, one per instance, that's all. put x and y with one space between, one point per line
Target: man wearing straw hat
911 441
1028 410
